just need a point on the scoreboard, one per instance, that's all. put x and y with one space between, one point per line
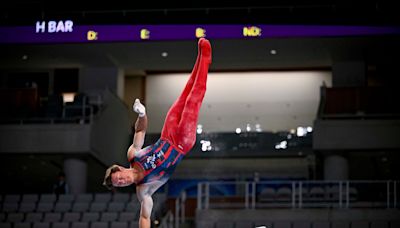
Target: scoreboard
65 31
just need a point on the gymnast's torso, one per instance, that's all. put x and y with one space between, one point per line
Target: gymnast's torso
158 161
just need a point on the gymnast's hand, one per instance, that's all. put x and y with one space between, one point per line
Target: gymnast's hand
139 108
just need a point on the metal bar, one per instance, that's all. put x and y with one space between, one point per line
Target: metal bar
177 213
340 194
199 196
253 200
246 195
388 194
207 194
300 194
293 194
183 207
395 194
347 194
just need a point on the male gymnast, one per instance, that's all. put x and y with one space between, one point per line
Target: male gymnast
152 166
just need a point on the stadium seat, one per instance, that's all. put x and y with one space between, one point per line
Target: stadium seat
119 225
333 193
90 217
62 206
102 197
15 217
60 225
109 216
317 194
126 217
10 207
134 224
52 217
12 198
30 198
80 225
27 207
267 194
41 225
44 207
284 194
132 207
48 198
98 207
116 207
80 207
71 217
99 225
121 197
66 198
34 217
22 225
84 198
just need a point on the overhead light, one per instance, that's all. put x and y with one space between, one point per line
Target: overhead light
273 52
206 145
164 54
281 145
24 57
248 127
301 131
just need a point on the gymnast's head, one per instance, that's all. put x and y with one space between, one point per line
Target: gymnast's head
118 176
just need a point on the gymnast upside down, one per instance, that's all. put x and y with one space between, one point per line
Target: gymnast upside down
152 166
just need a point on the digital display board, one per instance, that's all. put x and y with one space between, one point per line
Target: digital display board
66 32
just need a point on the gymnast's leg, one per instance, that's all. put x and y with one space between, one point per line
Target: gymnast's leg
185 134
174 115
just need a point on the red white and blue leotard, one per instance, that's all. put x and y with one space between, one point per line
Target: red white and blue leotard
158 161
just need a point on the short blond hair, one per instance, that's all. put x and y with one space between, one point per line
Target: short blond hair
107 178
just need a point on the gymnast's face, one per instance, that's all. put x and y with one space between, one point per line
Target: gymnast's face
122 178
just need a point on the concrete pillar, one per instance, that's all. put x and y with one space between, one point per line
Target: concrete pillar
76 175
336 167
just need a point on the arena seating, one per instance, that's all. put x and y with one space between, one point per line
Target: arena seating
94 210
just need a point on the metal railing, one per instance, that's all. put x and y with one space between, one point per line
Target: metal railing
297 194
180 209
167 221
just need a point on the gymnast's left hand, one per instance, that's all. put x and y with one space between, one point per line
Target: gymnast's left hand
139 108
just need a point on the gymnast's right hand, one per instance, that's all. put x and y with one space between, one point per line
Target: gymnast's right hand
139 108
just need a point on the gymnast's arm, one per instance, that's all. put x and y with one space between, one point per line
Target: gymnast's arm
138 130
146 206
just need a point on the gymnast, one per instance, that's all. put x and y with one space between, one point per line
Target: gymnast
152 166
